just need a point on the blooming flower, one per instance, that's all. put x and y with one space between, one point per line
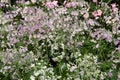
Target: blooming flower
115 9
2 4
75 13
94 1
94 13
71 4
118 52
113 5
33 1
13 41
116 41
51 4
119 77
86 15
110 74
99 12
91 22
106 36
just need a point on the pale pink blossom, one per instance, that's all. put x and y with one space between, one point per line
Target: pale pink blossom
55 3
110 74
13 41
115 9
116 42
118 76
2 4
94 1
94 13
75 13
118 52
114 5
114 29
107 37
71 4
79 44
51 4
91 22
86 15
99 12
33 1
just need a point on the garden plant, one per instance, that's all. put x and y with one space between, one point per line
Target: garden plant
59 39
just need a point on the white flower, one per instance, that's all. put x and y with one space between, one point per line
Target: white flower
73 68
4 1
33 1
32 77
97 46
37 73
32 65
77 79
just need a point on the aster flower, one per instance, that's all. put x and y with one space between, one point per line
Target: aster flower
116 42
91 22
75 13
94 1
114 5
118 52
118 76
2 4
33 1
94 13
99 12
71 4
51 4
86 15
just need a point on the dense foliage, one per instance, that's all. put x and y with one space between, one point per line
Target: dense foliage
53 40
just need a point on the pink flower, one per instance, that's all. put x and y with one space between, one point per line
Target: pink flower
110 74
99 12
55 3
107 37
94 13
86 15
114 5
94 1
116 41
115 9
79 44
51 4
33 1
118 52
118 76
71 4
13 41
75 13
2 4
91 22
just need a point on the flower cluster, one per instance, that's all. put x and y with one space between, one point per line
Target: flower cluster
75 41
51 4
97 13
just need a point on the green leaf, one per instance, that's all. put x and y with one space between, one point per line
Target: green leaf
1 64
30 47
105 66
18 44
2 76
